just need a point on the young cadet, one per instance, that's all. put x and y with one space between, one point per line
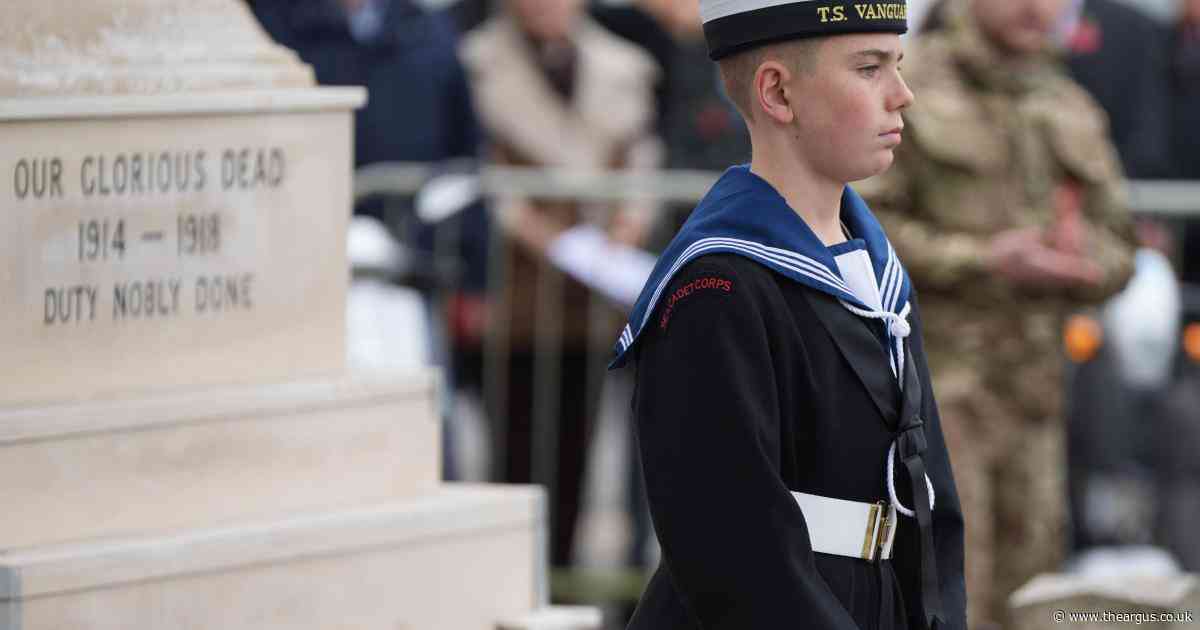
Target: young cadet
792 452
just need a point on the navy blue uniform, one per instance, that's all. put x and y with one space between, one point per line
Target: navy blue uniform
753 383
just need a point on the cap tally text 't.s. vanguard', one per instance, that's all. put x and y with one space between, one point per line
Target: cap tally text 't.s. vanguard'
732 26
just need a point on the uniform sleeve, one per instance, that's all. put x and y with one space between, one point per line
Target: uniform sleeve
948 528
1111 240
707 413
941 259
1079 134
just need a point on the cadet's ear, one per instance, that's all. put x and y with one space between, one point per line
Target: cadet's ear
771 92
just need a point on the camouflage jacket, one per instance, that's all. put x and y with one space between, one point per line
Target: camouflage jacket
992 145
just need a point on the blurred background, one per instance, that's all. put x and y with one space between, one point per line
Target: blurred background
520 162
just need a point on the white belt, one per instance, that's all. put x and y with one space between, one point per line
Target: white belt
849 528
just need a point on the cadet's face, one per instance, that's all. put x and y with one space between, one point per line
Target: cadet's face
546 20
1019 26
848 107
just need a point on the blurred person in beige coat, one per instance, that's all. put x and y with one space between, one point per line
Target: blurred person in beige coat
555 90
1007 207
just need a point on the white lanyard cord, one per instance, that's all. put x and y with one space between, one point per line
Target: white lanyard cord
891 486
899 329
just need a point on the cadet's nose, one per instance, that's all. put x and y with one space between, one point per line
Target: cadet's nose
902 97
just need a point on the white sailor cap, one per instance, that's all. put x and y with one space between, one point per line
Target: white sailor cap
732 26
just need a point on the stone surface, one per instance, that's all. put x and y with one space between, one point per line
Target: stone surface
65 47
174 247
205 457
461 557
1047 600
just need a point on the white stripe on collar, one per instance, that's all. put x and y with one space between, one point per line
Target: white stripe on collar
798 263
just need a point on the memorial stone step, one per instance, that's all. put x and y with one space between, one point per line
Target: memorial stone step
201 457
462 557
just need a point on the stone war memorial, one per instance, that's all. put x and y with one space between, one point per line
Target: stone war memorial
181 444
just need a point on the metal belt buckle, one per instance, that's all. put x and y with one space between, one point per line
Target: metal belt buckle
885 528
878 527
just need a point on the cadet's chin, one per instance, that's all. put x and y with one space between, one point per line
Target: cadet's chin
889 156
880 162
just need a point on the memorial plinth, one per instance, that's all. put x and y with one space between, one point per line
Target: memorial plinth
174 187
167 248
181 444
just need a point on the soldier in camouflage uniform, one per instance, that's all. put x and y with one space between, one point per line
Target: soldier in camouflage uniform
1005 204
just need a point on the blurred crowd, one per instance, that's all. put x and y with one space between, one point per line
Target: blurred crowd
527 324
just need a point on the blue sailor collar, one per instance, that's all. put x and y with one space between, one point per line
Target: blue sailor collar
743 214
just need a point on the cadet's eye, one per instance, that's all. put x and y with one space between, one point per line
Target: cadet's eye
869 71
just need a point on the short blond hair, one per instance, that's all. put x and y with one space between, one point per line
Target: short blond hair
738 69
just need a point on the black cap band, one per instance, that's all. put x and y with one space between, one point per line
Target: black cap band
806 18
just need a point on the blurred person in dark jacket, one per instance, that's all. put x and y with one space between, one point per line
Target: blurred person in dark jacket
641 24
1185 91
419 108
1119 54
1185 122
699 126
554 89
1182 504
